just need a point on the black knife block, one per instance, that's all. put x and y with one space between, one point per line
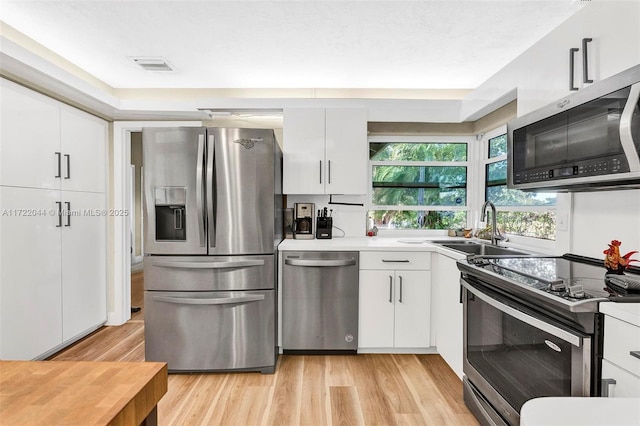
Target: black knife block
324 225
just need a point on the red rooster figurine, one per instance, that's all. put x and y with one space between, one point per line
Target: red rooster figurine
615 263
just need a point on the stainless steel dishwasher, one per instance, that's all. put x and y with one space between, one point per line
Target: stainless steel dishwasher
320 302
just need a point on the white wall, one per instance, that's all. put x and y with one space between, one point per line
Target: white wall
599 217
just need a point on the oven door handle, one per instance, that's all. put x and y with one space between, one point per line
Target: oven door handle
534 322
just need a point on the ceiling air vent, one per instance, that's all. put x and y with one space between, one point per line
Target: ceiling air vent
153 64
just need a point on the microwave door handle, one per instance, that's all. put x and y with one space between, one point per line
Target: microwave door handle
211 192
626 137
200 191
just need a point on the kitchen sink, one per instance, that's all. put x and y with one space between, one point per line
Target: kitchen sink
472 247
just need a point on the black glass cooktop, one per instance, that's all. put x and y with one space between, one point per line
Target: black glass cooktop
569 277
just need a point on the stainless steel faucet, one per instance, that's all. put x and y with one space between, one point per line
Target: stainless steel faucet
495 234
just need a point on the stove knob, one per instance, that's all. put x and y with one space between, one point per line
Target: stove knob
558 286
576 291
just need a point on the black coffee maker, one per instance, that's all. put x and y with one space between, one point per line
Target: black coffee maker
324 225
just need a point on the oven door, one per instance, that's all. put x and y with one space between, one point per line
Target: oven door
512 354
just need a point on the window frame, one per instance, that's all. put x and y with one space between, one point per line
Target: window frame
470 184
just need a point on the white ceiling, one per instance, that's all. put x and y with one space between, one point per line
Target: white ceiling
394 44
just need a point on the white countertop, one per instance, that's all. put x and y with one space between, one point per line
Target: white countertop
628 312
373 244
570 411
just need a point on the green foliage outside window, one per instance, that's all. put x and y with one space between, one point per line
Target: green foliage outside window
419 185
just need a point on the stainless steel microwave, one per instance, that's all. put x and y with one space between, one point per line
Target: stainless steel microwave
586 141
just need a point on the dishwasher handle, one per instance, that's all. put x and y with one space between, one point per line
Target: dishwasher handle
320 262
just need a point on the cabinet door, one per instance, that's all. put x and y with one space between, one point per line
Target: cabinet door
447 311
30 296
83 145
84 293
626 385
346 151
376 309
303 151
413 309
30 135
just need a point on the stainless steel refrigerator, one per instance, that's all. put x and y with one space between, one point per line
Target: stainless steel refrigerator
212 220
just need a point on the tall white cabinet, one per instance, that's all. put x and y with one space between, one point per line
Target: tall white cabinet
52 223
325 151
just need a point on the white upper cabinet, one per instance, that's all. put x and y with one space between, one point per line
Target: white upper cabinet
48 145
541 74
30 133
325 151
82 152
598 42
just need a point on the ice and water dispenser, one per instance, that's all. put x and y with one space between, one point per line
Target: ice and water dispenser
170 204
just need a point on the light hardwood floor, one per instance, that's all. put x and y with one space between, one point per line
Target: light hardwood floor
364 389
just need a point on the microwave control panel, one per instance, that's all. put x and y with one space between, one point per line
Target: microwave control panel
595 167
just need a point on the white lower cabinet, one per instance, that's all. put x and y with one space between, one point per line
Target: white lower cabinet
53 269
84 295
621 362
30 271
447 311
394 300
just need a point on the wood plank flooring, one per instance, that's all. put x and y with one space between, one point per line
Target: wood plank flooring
365 389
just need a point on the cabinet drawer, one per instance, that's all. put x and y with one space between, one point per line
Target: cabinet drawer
395 260
626 385
621 338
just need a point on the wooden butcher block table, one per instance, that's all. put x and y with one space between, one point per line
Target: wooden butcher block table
83 392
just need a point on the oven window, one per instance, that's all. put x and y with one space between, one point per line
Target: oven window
518 360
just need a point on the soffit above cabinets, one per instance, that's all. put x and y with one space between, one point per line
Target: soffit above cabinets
364 44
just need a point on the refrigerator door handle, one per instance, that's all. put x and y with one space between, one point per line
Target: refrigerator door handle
210 192
210 301
200 190
209 265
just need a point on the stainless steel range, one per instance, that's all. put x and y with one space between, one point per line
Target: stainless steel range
532 329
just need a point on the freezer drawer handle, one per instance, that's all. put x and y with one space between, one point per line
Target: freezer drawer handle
635 354
319 262
396 260
209 265
213 301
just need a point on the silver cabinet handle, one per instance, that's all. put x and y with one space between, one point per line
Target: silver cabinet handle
605 383
572 60
320 262
585 62
211 301
211 195
635 354
320 171
329 171
68 157
59 158
59 225
200 190
396 260
400 298
390 289
68 204
208 265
